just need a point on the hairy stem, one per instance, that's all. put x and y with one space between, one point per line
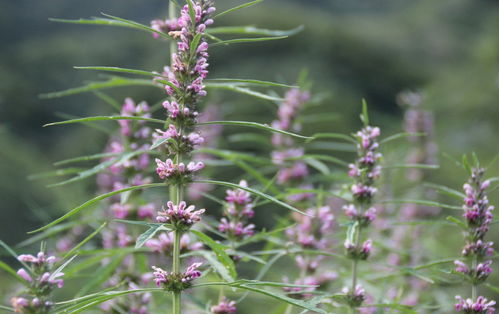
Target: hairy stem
474 286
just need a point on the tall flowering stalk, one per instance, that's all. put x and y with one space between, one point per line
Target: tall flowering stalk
310 232
41 279
422 151
185 87
365 171
477 251
235 226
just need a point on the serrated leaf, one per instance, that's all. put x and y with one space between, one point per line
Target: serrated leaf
219 251
94 200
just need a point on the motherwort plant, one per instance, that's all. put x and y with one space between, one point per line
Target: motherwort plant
475 267
40 278
124 175
365 171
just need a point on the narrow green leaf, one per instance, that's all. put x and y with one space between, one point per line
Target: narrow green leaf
254 125
192 14
93 86
251 82
105 118
219 251
400 135
113 22
422 202
6 308
324 158
251 30
262 195
195 44
242 90
435 263
82 243
14 254
242 6
101 275
100 167
246 40
395 306
143 223
109 100
151 232
138 25
457 222
318 165
55 173
364 117
94 200
333 135
11 271
120 70
61 268
85 158
446 190
420 166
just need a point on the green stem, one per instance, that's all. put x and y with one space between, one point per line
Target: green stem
474 286
176 269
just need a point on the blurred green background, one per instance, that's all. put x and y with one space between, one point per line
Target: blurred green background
372 49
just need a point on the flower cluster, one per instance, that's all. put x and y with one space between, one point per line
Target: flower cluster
364 171
189 64
481 306
355 297
178 173
40 282
176 282
164 243
176 142
287 156
126 168
478 216
181 216
224 307
237 211
312 232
